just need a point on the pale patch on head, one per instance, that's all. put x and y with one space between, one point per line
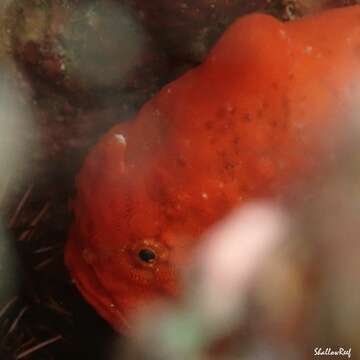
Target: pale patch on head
120 139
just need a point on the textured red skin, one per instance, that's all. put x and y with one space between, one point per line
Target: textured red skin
245 124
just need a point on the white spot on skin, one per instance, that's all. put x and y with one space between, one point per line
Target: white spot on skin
283 33
120 139
204 196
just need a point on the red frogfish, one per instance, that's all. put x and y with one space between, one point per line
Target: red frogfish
246 124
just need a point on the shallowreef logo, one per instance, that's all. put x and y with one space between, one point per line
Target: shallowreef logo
331 352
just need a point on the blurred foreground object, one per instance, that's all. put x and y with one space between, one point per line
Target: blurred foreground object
88 49
18 145
18 134
89 64
225 268
281 282
261 114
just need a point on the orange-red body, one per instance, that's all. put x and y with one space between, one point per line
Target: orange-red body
245 124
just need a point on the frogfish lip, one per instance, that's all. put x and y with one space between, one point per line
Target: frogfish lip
90 287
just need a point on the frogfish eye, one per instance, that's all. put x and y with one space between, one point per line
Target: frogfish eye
147 255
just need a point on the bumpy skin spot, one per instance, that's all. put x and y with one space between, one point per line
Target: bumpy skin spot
251 120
